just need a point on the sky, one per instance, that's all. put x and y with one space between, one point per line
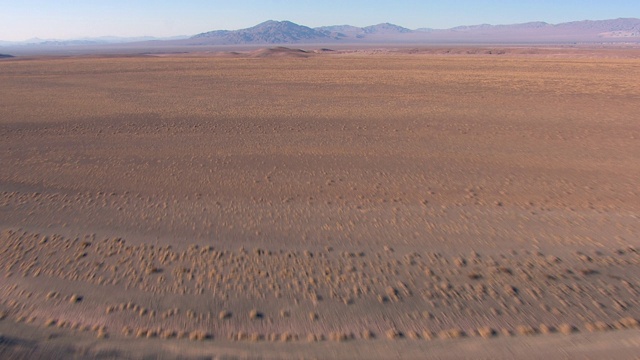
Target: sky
69 19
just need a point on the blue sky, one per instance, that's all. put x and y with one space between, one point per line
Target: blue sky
64 19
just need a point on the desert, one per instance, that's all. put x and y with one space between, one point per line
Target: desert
415 202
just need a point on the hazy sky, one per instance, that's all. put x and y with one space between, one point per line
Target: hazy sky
63 19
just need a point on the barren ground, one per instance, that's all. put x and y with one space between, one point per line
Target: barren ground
335 204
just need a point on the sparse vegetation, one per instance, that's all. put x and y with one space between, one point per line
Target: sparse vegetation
342 197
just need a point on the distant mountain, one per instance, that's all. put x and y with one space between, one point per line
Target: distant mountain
485 27
268 32
3 56
386 29
618 28
622 24
286 32
101 40
342 31
69 43
587 30
122 39
585 26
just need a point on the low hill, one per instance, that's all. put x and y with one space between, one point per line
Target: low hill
279 52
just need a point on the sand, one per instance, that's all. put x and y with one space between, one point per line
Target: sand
321 204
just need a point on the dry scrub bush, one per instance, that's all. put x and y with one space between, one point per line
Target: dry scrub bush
525 330
393 334
486 332
451 334
597 326
567 329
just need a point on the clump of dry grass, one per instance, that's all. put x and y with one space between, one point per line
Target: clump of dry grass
393 334
526 330
567 328
546 329
168 334
486 332
453 333
254 314
597 326
628 323
474 275
460 261
510 290
340 336
199 335
368 335
224 315
288 337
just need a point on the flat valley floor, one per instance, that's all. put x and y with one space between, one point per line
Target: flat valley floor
281 204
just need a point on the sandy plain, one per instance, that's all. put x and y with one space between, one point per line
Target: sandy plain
279 204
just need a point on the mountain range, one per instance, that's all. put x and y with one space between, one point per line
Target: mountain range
287 32
101 40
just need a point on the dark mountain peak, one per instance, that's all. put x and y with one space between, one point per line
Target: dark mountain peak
269 24
268 32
